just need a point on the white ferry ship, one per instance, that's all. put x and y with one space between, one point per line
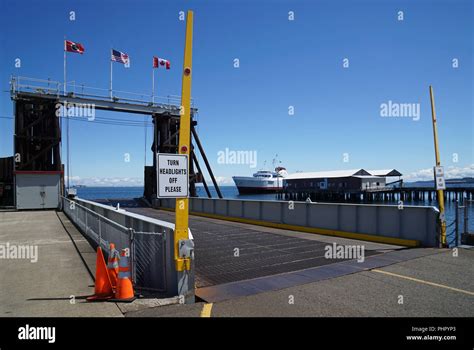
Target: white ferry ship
263 181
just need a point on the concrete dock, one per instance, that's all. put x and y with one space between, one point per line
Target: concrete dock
57 283
274 276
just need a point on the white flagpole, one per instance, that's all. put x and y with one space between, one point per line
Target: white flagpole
64 65
111 95
68 152
67 120
153 85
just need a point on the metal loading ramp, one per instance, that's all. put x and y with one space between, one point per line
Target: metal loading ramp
229 252
226 253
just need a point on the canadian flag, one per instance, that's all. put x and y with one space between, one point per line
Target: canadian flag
161 62
71 46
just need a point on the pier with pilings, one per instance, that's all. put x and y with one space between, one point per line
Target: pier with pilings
379 195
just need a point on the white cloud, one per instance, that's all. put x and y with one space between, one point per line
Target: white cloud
450 172
73 178
106 181
127 181
222 180
419 175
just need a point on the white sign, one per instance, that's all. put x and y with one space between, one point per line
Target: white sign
439 178
439 171
172 177
440 183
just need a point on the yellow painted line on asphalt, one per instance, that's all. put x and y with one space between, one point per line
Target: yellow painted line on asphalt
424 282
206 310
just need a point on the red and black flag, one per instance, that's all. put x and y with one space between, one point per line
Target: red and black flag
71 46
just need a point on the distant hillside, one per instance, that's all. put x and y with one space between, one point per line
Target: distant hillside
457 181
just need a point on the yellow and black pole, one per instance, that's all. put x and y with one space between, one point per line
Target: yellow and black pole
181 224
440 192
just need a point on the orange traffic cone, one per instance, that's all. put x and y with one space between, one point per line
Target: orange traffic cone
113 265
103 287
124 290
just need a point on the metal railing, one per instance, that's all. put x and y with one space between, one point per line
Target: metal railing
378 188
98 228
147 249
418 223
71 88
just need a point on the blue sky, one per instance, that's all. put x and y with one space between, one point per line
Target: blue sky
283 63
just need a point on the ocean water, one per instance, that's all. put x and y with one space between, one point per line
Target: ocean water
134 192
92 193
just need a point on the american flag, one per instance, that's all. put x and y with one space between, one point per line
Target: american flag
121 57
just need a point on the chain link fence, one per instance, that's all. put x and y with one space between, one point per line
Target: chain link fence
147 249
149 259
